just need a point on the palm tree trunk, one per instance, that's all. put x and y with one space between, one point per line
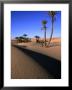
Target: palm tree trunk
45 36
51 32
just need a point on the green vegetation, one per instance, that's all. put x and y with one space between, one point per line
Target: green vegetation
23 38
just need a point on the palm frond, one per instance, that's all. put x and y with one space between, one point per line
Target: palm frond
52 13
44 22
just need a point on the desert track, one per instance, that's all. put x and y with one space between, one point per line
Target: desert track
25 67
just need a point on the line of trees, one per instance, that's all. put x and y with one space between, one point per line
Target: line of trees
23 38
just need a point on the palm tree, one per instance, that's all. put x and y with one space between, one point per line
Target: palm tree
25 35
17 38
44 22
37 38
52 14
20 38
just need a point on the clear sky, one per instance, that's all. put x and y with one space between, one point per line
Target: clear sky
30 23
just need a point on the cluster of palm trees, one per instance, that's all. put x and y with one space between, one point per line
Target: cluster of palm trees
44 22
23 38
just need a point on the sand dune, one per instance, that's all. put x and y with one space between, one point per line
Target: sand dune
24 67
54 51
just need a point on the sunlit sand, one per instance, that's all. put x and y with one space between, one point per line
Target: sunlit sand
52 51
25 67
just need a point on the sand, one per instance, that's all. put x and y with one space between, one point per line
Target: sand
54 51
24 67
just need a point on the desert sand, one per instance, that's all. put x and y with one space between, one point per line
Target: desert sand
53 51
24 67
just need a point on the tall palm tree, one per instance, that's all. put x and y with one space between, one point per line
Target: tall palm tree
37 38
52 14
44 22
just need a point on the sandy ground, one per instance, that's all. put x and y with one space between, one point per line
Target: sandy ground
53 39
54 51
24 67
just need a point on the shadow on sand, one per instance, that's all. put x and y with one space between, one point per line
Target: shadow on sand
52 65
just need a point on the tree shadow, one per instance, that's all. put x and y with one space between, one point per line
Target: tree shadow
52 65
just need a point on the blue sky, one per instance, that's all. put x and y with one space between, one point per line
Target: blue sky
30 23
